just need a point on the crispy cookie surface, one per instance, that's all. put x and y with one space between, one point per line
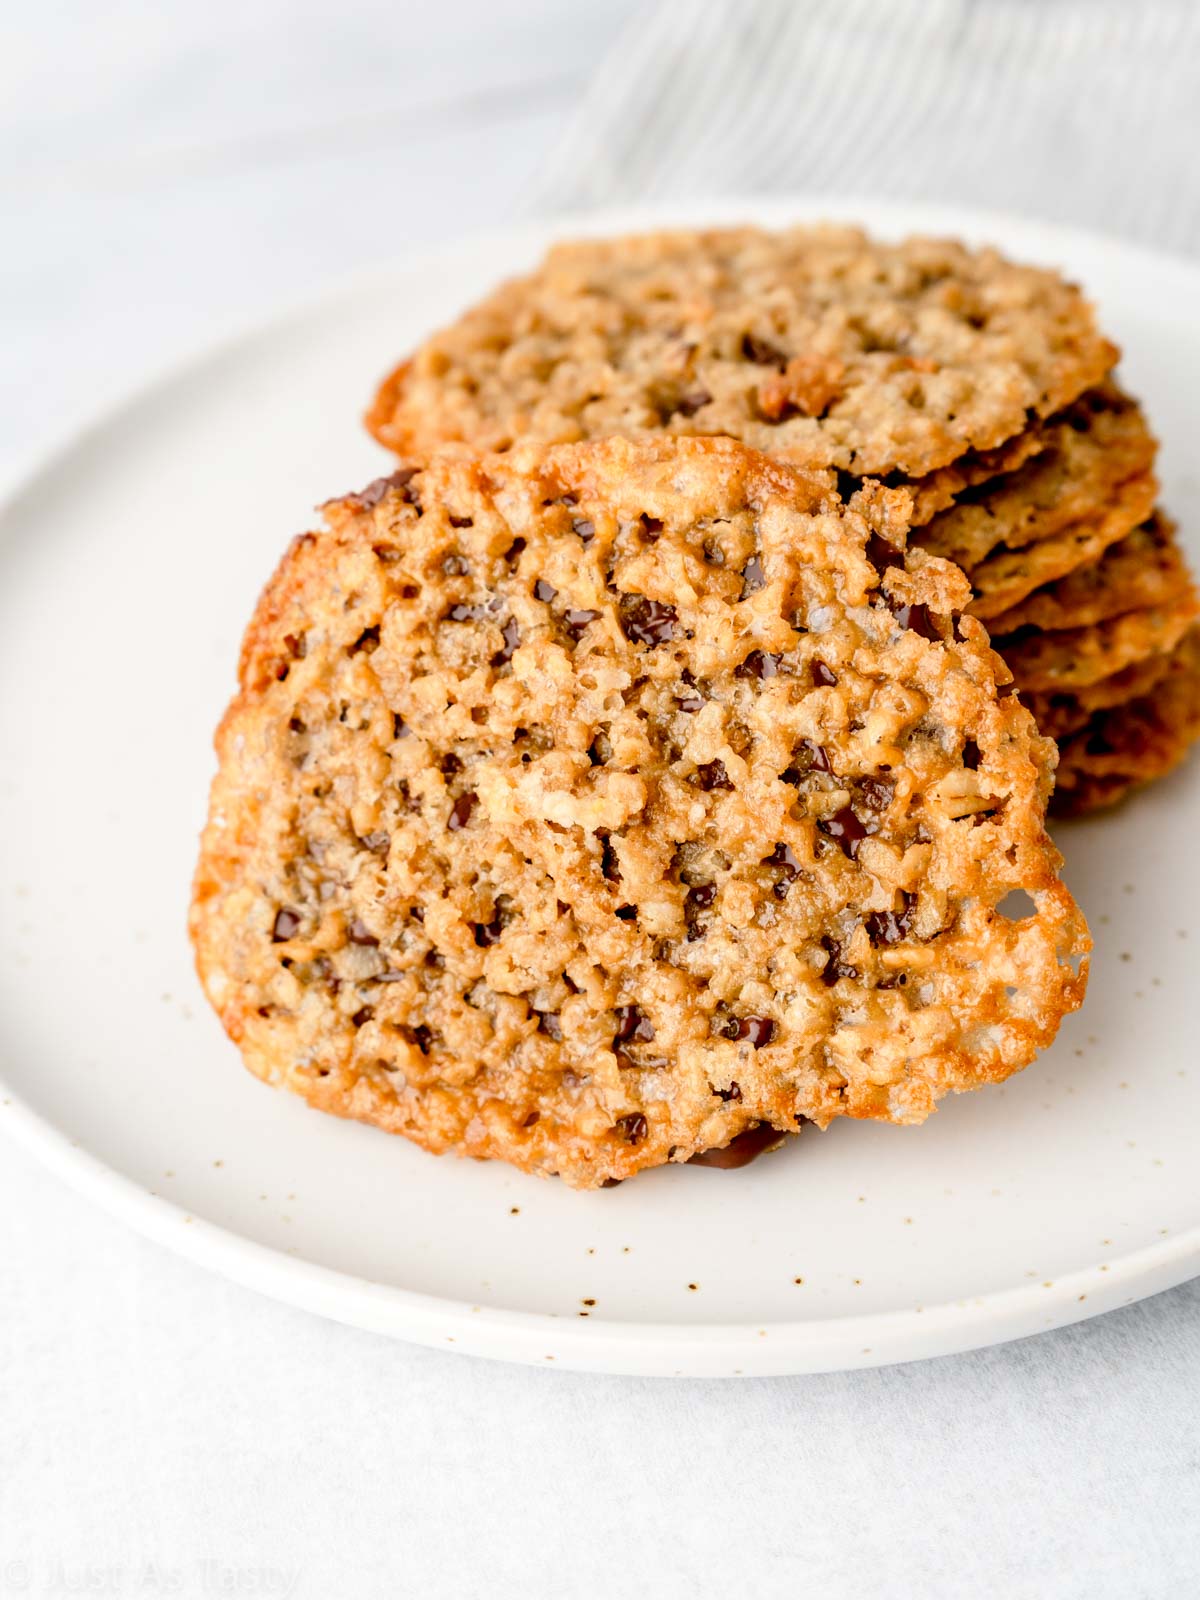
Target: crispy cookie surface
1146 568
1132 744
818 345
1073 658
1084 457
586 808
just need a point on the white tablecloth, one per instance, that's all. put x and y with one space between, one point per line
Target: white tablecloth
169 168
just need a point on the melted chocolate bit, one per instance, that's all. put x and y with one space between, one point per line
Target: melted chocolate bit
633 1026
374 492
700 896
881 554
297 647
421 1036
648 622
806 757
758 1030
359 933
970 755
451 765
835 967
822 676
734 1092
652 527
889 927
608 859
461 522
627 913
742 1150
875 794
758 664
920 620
513 552
633 1129
488 933
783 857
585 529
762 352
544 591
577 621
689 404
460 814
712 775
362 1015
286 925
847 829
753 578
511 635
550 1025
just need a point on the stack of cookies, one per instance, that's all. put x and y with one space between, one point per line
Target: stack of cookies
981 385
628 778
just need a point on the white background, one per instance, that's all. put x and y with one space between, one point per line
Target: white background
170 170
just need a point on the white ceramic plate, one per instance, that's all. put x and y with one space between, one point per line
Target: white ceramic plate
128 567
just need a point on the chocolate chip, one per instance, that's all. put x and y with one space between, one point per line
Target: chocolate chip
881 554
763 353
919 619
549 1024
970 755
627 913
461 522
734 1092
451 765
783 857
367 640
297 647
544 591
421 1036
362 1015
847 829
758 664
514 551
359 933
689 404
806 757
585 529
400 728
374 492
460 813
377 842
511 635
875 794
758 1030
712 775
822 676
488 933
835 967
649 622
889 927
577 621
632 1128
742 1150
753 578
286 925
633 1026
700 896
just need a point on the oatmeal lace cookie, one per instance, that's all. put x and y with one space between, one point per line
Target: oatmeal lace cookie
819 345
589 807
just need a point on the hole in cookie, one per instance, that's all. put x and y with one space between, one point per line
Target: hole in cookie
1017 905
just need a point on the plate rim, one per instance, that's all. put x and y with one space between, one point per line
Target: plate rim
601 1345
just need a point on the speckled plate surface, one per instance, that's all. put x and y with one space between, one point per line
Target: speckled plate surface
128 565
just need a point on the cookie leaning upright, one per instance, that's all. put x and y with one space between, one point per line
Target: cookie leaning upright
817 344
587 807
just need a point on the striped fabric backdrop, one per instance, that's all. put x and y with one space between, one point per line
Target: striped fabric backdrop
1084 111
